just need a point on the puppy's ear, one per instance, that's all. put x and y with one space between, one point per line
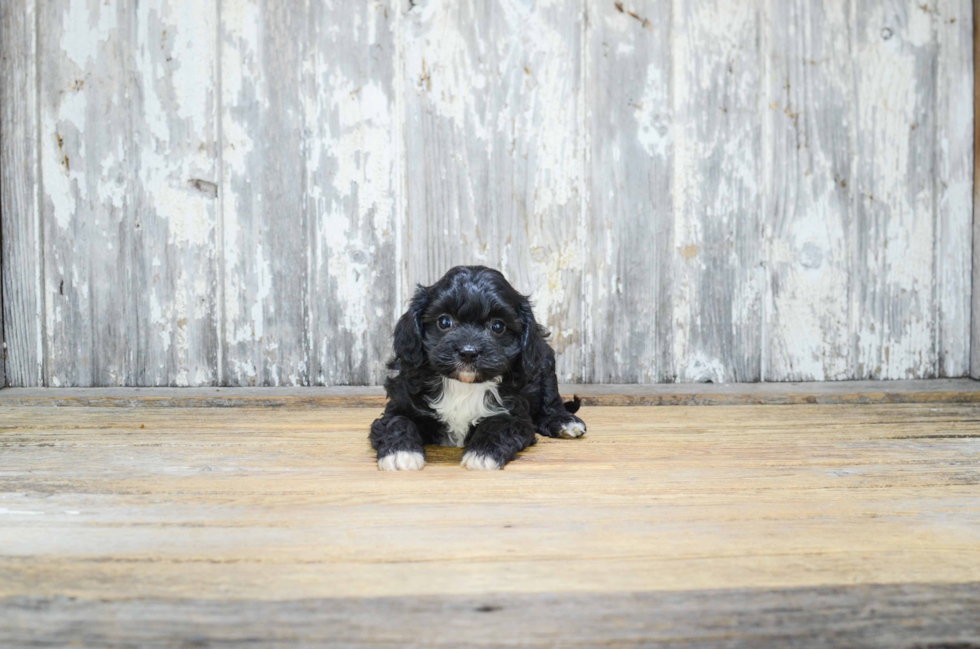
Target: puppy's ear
408 331
531 339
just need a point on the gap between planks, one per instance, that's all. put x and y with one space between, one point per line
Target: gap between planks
675 394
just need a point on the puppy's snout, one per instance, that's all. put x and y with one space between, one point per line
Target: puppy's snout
468 353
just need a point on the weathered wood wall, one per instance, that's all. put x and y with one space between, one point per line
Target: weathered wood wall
244 192
975 329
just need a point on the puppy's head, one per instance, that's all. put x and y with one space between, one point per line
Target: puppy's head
471 325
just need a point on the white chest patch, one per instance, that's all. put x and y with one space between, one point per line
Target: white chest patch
462 405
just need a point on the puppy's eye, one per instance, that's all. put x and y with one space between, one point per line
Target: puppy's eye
497 327
445 322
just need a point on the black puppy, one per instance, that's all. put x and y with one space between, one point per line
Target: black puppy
473 369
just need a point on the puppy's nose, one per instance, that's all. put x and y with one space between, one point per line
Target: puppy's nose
468 353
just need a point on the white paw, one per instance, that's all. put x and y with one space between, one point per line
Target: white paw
402 461
572 430
472 460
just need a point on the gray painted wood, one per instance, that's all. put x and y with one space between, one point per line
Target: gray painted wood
127 142
353 166
494 153
3 348
866 615
870 190
811 116
632 255
975 319
893 288
309 202
952 23
239 192
719 56
19 217
937 391
265 226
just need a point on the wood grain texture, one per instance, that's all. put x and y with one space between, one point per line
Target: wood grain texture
952 24
893 291
3 349
811 116
718 59
906 134
309 179
629 283
266 226
975 320
127 156
352 165
935 391
494 153
20 242
907 615
264 504
239 192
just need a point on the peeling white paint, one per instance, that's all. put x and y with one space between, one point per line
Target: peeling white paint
81 46
479 123
654 128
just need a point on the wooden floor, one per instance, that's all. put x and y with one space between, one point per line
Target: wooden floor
809 525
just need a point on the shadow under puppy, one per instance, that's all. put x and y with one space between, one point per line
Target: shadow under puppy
472 369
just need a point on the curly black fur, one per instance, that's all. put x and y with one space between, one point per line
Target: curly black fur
492 336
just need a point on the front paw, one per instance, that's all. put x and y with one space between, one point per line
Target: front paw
479 461
564 426
402 461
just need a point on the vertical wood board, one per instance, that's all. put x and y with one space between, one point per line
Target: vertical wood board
265 246
893 288
811 121
23 351
630 238
975 319
352 150
309 151
952 23
127 156
719 57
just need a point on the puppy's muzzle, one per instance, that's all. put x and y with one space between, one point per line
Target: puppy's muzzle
467 355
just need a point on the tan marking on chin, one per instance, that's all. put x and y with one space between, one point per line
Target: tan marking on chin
467 377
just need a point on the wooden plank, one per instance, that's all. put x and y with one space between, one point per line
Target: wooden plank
176 263
128 201
847 615
494 153
975 320
811 117
952 21
265 221
309 242
629 294
831 236
677 394
718 62
88 218
249 504
3 347
19 210
893 287
352 165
